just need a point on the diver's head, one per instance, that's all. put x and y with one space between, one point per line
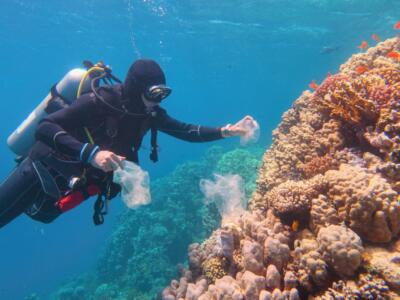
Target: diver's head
146 81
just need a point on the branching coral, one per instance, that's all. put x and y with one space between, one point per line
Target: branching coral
343 99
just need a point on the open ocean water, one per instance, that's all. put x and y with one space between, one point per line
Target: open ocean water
223 59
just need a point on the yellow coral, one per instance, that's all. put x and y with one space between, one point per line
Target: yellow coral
215 268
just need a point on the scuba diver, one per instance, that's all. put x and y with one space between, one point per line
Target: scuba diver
76 145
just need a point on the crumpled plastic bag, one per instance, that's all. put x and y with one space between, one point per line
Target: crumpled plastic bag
135 184
251 128
227 192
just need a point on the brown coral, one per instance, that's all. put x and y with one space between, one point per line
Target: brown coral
215 268
294 197
317 165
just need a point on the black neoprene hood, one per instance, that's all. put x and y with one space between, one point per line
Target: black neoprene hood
142 74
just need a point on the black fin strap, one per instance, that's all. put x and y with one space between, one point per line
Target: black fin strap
154 146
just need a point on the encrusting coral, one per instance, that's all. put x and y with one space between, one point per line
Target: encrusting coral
324 221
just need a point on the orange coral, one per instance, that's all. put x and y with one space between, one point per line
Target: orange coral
345 101
360 99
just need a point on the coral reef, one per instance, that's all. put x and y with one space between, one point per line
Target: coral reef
324 221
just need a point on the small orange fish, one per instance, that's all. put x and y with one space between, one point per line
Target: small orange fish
397 25
363 45
376 37
295 225
313 85
393 54
361 69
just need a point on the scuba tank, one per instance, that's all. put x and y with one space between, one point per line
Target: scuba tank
22 139
74 83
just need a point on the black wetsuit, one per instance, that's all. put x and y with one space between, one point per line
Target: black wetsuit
61 136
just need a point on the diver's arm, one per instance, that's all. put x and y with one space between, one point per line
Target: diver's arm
185 131
54 130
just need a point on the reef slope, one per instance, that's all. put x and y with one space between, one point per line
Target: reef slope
324 221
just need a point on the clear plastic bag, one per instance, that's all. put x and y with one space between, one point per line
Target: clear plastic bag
227 192
135 184
251 129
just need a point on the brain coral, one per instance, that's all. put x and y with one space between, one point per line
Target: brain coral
341 248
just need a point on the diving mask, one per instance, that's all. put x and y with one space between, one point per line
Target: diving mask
156 93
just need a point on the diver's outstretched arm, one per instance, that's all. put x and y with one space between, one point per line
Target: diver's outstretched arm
185 131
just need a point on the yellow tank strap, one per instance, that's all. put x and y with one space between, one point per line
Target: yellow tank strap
89 136
91 70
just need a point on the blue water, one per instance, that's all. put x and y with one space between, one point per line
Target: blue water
224 59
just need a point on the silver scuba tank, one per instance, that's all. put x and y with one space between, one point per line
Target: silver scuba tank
22 139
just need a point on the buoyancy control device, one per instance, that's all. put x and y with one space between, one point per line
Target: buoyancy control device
75 83
49 205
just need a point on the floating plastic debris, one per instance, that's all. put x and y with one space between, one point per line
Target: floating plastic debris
251 128
227 192
134 183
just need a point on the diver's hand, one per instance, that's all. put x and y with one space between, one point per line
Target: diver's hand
236 129
107 161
